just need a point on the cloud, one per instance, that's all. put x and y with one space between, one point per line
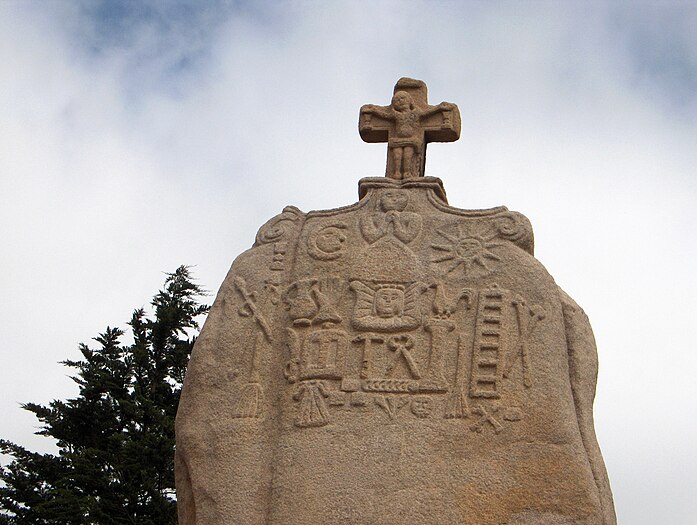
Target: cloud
140 136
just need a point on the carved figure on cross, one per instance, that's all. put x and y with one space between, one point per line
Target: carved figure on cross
407 125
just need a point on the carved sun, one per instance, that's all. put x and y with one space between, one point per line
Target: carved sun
469 251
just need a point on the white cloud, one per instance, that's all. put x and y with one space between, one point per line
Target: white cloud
133 144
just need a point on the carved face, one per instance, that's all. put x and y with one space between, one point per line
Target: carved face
401 101
469 248
389 302
421 406
394 200
330 240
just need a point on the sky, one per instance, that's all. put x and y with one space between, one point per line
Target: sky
137 136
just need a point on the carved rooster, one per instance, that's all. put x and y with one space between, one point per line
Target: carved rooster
444 306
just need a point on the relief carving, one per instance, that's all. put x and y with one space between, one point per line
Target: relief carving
322 354
327 243
439 326
456 406
515 227
279 256
393 220
486 417
487 351
368 354
407 125
471 251
391 404
276 228
249 307
250 402
314 301
387 307
401 346
527 321
313 411
421 406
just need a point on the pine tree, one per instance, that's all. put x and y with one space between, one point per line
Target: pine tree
115 460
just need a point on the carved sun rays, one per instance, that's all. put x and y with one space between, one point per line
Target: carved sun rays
469 251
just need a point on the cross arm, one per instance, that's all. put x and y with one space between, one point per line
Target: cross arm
375 122
441 122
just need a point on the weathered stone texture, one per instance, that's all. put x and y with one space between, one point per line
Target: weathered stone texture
394 362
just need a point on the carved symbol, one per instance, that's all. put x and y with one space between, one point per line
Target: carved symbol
275 228
292 368
401 345
486 417
250 402
321 354
300 303
390 385
251 397
486 351
311 301
391 404
435 381
456 406
514 227
249 308
279 256
327 295
272 288
421 406
313 411
387 307
527 322
368 341
326 243
393 221
443 306
471 251
407 125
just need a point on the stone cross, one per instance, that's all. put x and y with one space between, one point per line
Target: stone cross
407 125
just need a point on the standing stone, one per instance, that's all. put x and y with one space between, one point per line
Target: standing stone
394 362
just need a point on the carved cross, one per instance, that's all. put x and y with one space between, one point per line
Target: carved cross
407 125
